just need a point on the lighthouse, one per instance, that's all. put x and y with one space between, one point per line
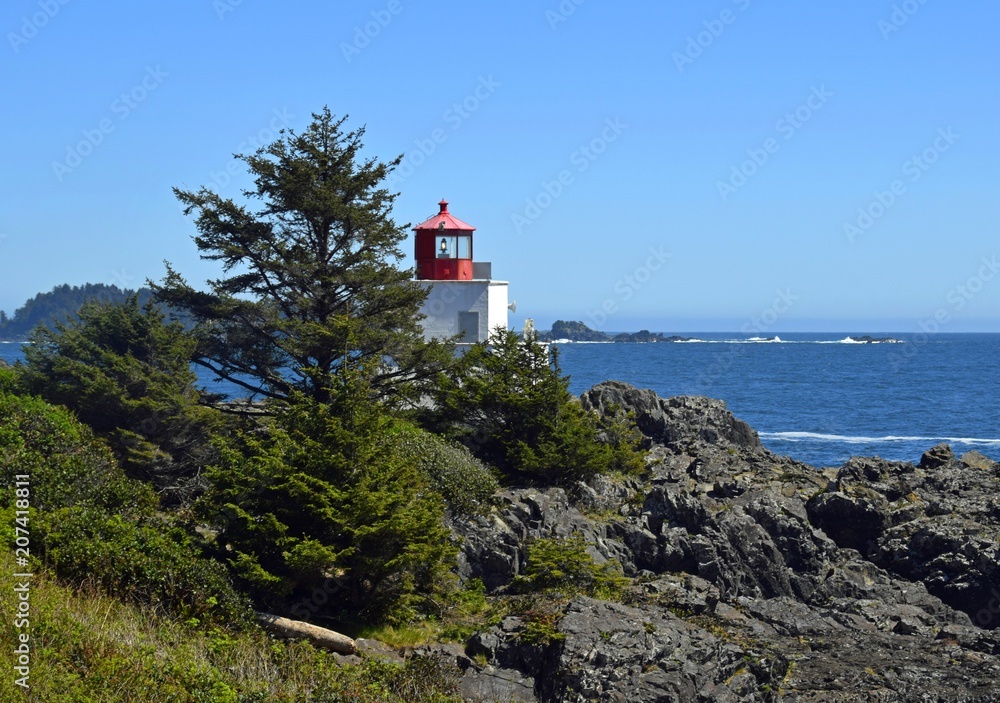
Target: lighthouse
464 299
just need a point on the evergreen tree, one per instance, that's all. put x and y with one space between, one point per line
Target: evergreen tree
319 502
512 407
311 280
127 374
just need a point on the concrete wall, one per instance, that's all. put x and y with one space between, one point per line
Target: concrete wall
448 298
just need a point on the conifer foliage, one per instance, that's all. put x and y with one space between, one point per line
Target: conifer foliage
319 503
510 404
311 280
126 373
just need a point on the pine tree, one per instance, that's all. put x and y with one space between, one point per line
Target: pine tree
311 282
126 373
320 503
511 406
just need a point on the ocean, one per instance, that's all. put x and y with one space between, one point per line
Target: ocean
819 398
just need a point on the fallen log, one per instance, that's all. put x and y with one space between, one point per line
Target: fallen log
319 636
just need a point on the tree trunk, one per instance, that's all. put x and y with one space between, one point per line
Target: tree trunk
319 636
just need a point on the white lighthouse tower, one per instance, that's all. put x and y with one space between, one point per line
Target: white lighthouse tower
464 299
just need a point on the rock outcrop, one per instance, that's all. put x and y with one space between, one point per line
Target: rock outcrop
754 577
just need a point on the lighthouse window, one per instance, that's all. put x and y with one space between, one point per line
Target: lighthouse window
464 247
446 247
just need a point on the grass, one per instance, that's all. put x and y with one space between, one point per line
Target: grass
88 647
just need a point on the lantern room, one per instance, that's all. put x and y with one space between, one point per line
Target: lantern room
443 247
463 300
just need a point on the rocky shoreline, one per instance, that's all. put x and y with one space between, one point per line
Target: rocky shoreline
754 577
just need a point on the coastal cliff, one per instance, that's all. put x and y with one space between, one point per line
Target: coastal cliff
753 577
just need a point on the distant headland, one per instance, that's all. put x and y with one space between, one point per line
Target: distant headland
575 331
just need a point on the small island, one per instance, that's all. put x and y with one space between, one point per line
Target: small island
576 331
866 339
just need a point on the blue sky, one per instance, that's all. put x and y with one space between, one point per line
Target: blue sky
677 166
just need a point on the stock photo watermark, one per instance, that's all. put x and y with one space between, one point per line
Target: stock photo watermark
581 158
760 324
22 584
901 14
627 286
265 135
123 279
956 298
224 7
914 169
985 616
32 25
787 127
562 13
453 117
121 108
714 28
365 34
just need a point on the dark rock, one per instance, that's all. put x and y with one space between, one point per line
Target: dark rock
674 421
937 523
640 337
938 455
574 331
756 578
852 521
867 339
492 684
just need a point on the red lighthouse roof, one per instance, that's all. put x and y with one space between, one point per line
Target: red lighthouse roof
449 220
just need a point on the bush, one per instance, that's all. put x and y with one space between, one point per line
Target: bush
126 373
94 524
142 562
467 485
316 502
67 465
564 565
510 405
10 379
87 648
619 431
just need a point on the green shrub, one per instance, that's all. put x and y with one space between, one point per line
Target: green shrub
126 373
510 405
10 379
564 565
466 484
541 626
92 523
619 431
66 464
317 502
89 648
143 562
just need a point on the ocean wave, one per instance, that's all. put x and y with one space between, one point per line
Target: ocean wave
849 439
861 341
765 340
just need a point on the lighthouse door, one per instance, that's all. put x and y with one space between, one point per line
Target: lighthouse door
468 326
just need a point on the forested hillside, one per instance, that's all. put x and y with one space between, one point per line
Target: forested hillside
58 305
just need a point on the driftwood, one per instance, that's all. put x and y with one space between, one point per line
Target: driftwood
319 636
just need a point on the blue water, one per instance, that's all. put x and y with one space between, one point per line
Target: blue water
814 397
818 398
